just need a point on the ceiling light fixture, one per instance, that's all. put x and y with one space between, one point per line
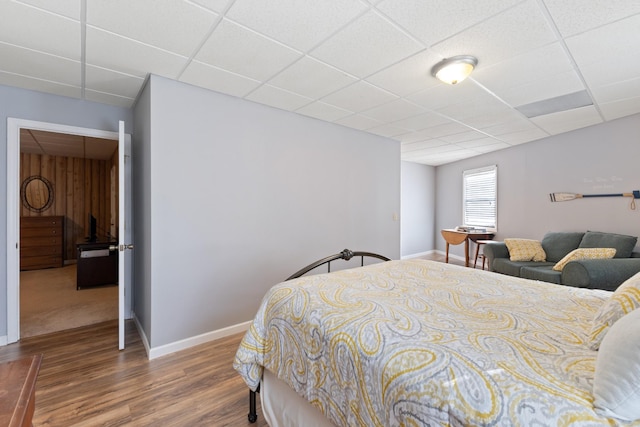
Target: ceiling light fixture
455 69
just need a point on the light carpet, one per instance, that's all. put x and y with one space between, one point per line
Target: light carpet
49 302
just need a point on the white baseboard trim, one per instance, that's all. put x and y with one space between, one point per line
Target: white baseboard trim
4 340
143 336
417 255
163 350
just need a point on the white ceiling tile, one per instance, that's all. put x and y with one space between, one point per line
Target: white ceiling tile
474 144
39 85
617 91
323 111
513 123
387 130
592 13
110 51
242 51
278 98
214 78
620 108
492 147
359 96
312 78
30 63
178 27
358 121
421 121
36 29
522 136
408 76
452 16
448 128
566 121
394 111
103 80
533 76
215 5
443 95
408 147
509 33
68 8
458 138
367 45
107 98
301 24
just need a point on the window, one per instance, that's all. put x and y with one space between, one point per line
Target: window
480 197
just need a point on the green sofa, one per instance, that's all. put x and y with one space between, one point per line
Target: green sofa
605 274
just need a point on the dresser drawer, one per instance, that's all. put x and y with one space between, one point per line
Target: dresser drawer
41 242
40 232
38 262
41 250
30 242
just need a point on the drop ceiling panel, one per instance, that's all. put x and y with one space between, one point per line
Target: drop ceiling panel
367 45
363 64
279 98
566 121
322 111
312 78
358 97
245 52
39 65
300 24
505 35
209 77
408 76
418 16
68 8
33 28
179 25
576 16
127 56
109 81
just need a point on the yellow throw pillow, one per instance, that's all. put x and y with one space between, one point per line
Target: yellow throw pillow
585 253
624 300
525 250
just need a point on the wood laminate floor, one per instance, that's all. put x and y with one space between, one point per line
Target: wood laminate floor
85 381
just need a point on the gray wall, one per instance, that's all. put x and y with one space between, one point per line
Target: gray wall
29 105
418 190
599 159
242 195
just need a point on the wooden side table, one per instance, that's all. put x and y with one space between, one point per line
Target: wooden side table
455 237
18 390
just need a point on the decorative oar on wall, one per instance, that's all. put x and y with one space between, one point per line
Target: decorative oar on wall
565 197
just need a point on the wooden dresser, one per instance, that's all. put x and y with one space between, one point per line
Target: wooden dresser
41 242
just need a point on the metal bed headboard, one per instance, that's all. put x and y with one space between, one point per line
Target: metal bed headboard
346 255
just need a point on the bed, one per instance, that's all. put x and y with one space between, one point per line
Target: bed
424 343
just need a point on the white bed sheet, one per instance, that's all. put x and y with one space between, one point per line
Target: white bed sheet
283 407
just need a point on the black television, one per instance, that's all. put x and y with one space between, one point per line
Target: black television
93 228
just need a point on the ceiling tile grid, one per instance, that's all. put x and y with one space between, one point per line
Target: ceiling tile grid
363 64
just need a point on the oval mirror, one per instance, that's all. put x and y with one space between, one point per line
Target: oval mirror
37 193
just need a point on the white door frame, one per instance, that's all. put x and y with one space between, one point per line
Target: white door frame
13 209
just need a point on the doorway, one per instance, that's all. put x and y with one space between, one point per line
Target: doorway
14 127
68 192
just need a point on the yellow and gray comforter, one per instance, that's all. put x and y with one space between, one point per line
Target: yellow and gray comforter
420 343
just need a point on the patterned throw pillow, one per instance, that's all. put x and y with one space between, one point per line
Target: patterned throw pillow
585 253
525 250
624 300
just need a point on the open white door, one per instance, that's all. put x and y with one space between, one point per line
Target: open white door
124 225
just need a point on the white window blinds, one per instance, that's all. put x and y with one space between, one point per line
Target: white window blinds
480 208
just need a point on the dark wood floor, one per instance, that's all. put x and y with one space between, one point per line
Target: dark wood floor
85 381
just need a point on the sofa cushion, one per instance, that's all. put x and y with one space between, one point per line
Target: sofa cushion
512 268
545 274
585 253
623 244
558 244
525 250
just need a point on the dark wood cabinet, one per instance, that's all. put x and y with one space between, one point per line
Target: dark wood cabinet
97 265
41 242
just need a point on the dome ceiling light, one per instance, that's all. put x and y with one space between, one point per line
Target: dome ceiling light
455 69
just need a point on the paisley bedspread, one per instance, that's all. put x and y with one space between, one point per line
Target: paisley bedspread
422 343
